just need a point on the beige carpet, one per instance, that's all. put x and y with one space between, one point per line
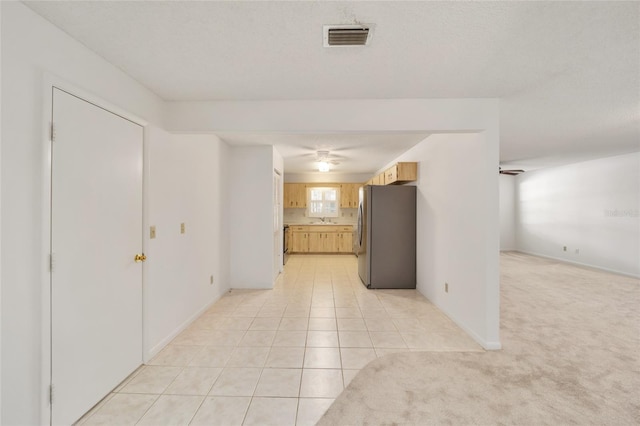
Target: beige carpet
571 355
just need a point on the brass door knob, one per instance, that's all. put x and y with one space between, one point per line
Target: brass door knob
140 258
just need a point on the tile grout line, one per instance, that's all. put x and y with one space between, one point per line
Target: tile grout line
299 291
147 410
207 394
96 408
338 336
197 409
304 354
227 361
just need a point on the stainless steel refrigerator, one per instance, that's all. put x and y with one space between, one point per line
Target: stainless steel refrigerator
387 236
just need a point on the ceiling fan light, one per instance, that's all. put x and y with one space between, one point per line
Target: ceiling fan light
323 166
322 155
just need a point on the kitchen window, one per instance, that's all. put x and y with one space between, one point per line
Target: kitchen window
323 202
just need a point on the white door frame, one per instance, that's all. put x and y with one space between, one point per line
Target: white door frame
278 222
0 229
49 82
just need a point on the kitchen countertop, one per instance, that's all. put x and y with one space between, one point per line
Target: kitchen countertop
319 224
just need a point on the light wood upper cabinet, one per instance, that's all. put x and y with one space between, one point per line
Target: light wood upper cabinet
400 173
286 194
391 174
349 195
295 195
355 193
300 195
396 174
377 180
345 195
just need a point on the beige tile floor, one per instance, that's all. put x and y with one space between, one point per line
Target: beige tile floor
281 356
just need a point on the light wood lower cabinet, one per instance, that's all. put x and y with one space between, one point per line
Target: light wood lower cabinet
315 242
345 242
321 239
322 242
299 239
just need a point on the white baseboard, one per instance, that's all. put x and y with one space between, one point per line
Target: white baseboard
487 345
164 342
492 346
573 262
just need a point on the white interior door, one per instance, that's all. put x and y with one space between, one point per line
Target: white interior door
96 231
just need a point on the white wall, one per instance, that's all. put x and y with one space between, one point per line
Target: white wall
478 310
251 215
31 47
278 161
0 226
592 207
34 52
452 211
188 184
328 177
347 115
507 212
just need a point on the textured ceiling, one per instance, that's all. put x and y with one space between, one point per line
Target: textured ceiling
567 73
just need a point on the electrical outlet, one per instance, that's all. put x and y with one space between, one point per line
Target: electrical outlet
152 232
211 279
564 248
446 287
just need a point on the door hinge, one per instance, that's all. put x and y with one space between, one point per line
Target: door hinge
51 389
52 132
51 262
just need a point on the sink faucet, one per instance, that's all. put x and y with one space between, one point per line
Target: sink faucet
322 219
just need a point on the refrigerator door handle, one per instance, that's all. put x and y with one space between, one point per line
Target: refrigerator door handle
360 225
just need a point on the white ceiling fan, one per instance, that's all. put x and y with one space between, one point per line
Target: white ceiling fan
325 160
511 172
321 157
326 157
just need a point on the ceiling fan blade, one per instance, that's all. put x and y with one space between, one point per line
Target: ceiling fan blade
512 172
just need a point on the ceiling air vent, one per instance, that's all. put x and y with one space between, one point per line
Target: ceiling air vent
346 35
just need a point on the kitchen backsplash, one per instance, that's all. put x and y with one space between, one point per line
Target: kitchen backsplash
298 216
